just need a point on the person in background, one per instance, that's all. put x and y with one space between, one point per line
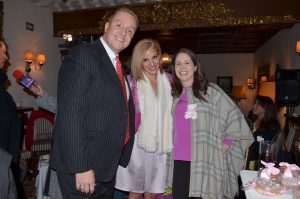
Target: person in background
10 123
94 125
144 177
211 135
43 99
265 126
49 103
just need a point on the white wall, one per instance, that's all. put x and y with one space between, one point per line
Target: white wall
239 66
280 49
16 13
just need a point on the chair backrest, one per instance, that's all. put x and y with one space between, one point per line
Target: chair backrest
38 127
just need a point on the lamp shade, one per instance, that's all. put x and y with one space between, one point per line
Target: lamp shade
250 81
267 89
263 78
298 47
239 92
29 57
41 58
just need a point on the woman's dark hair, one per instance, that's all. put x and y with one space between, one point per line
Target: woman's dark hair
270 117
200 82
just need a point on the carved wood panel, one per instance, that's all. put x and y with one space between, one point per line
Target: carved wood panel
1 19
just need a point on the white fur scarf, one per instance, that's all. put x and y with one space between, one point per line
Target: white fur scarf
155 131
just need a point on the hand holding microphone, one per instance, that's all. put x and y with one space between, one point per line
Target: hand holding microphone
24 80
28 82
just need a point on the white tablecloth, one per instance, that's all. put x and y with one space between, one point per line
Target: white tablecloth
248 176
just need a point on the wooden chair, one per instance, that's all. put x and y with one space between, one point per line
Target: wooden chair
38 134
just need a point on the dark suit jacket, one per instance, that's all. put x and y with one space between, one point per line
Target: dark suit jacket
91 117
10 123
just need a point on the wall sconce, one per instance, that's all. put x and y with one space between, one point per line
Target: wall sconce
251 83
67 37
263 78
38 62
298 47
239 92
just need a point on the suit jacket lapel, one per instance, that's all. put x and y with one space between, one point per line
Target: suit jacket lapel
107 64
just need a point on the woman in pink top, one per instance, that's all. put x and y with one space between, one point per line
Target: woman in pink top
211 135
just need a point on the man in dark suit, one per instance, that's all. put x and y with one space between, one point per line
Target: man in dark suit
10 123
94 127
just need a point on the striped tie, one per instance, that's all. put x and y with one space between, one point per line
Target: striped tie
122 81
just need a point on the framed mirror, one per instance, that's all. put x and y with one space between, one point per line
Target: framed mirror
225 82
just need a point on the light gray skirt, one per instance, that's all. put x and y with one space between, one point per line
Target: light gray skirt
145 172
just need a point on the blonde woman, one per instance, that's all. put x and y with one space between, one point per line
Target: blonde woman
144 177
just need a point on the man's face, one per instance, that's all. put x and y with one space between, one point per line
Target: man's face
118 32
3 55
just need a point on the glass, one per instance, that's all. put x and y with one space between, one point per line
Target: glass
266 152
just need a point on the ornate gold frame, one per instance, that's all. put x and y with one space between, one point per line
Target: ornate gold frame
163 15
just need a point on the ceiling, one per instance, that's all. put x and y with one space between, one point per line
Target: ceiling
215 40
205 26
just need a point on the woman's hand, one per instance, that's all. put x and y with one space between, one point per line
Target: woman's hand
225 147
227 142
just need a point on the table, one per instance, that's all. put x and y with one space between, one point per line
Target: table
247 176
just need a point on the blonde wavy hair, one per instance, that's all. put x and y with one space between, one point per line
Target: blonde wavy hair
138 56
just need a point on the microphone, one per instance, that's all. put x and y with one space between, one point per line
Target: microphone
25 80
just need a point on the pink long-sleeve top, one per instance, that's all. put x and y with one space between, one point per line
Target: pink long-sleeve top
182 131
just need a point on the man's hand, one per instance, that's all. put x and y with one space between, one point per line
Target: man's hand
85 182
37 89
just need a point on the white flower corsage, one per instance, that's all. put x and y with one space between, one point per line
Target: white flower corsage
191 112
260 139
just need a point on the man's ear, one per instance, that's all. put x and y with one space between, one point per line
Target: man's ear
106 26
